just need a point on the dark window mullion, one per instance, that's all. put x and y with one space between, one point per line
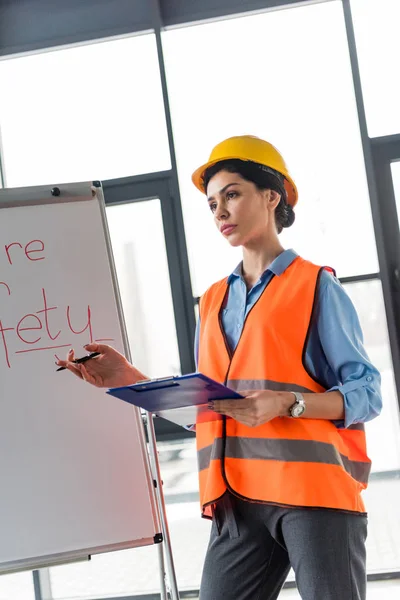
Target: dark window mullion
359 278
136 188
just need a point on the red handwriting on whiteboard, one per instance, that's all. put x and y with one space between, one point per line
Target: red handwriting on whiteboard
37 246
3 283
34 330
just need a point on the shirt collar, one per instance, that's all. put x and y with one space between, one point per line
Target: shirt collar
277 267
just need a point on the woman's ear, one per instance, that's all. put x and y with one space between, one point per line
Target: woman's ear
274 199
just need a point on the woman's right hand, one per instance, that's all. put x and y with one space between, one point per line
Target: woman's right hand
110 369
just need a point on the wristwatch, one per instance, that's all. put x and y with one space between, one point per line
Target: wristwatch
298 408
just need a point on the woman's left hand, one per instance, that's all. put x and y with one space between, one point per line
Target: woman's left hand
256 408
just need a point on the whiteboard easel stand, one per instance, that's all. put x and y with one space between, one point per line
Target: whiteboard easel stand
155 466
72 544
164 523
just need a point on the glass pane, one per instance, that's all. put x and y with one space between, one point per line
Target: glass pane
395 166
138 243
83 113
284 76
18 585
376 25
383 435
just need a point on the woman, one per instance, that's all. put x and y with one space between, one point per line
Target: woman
281 471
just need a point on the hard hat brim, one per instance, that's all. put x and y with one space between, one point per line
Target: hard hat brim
290 186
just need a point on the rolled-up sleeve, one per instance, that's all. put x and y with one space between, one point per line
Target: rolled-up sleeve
348 368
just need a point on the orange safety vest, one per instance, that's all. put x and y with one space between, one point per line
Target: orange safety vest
287 461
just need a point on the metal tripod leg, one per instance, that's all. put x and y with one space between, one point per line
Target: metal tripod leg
163 584
174 593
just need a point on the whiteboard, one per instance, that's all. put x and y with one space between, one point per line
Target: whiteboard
74 468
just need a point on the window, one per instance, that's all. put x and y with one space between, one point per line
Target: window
383 435
83 113
284 76
384 432
17 585
376 26
137 237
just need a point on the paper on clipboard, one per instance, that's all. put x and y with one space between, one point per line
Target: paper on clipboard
181 399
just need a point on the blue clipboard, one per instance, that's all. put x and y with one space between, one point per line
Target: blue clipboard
181 399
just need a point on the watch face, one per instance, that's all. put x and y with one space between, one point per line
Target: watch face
297 410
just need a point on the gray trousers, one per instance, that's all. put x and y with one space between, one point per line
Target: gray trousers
252 547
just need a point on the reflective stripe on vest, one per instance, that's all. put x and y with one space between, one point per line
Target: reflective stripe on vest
291 451
291 462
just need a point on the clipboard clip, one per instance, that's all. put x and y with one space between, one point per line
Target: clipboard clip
170 377
155 380
155 384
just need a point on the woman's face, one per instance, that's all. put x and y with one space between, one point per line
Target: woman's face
242 213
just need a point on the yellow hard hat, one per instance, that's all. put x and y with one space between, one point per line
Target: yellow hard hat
249 147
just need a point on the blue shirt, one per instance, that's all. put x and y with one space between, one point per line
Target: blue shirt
335 354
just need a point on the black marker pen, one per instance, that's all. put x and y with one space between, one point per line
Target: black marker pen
79 361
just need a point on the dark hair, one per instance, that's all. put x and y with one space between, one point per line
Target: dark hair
263 178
